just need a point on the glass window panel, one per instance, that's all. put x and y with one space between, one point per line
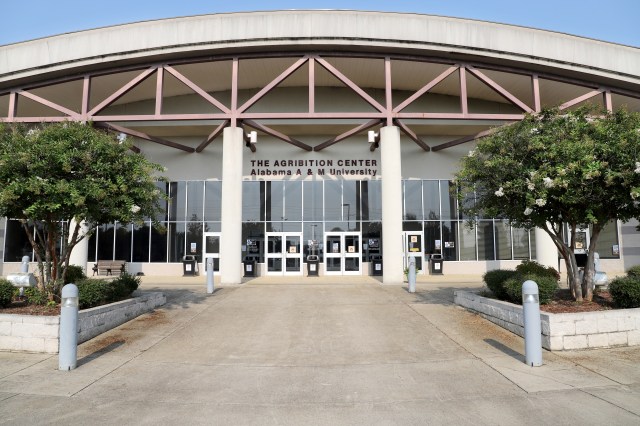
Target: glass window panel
212 227
467 243
607 240
503 239
485 240
351 201
293 200
194 240
175 234
213 200
312 200
178 201
252 201
16 242
195 200
532 242
411 226
371 200
255 232
467 202
412 200
275 227
158 245
275 200
448 200
92 246
341 226
140 243
163 187
520 243
333 200
372 238
432 238
449 251
431 199
105 242
123 242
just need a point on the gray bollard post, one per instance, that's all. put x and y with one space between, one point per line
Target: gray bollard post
412 275
68 352
532 327
210 275
24 268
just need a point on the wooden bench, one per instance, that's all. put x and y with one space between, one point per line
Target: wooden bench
109 266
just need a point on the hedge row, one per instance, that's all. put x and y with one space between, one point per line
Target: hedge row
507 284
94 292
625 291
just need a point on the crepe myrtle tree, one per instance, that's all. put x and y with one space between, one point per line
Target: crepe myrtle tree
52 174
555 169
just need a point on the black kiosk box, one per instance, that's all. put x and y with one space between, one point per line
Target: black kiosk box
376 265
250 266
312 265
435 264
189 265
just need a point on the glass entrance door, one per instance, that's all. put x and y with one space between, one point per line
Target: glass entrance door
413 243
284 254
343 253
211 249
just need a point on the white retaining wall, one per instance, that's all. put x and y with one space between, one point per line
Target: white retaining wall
602 329
30 333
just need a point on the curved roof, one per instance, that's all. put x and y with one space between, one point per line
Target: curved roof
437 36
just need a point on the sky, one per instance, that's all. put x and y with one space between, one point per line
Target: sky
609 20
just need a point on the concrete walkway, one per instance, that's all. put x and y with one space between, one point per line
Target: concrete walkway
317 351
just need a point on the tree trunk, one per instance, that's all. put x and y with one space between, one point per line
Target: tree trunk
589 270
569 257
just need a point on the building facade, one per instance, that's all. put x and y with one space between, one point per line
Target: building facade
328 133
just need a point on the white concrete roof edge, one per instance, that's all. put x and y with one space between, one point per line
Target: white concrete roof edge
307 27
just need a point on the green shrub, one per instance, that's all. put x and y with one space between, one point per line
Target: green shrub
495 281
129 282
547 288
625 291
75 274
530 267
634 271
92 292
35 296
6 293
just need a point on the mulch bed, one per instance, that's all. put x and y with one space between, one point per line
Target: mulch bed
563 303
21 308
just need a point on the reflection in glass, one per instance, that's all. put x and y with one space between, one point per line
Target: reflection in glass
141 237
293 200
431 199
503 239
485 240
195 200
448 200
253 201
158 245
520 243
123 242
467 242
449 251
212 200
176 234
312 200
275 200
178 201
105 242
371 200
412 200
16 242
333 200
194 240
432 238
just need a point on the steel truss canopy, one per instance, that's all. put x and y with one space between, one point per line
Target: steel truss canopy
292 92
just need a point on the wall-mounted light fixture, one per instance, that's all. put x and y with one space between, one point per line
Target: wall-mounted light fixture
373 137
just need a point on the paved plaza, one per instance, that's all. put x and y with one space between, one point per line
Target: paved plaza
325 351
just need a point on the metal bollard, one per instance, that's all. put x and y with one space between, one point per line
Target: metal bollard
210 275
532 327
68 353
412 275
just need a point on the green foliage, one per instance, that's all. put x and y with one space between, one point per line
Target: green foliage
122 287
530 267
625 291
96 292
35 296
53 173
495 281
579 167
92 292
75 273
547 287
634 271
6 293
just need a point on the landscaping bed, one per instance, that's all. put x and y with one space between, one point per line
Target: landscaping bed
563 302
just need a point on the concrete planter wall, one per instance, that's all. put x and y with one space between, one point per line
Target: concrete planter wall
29 333
603 329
